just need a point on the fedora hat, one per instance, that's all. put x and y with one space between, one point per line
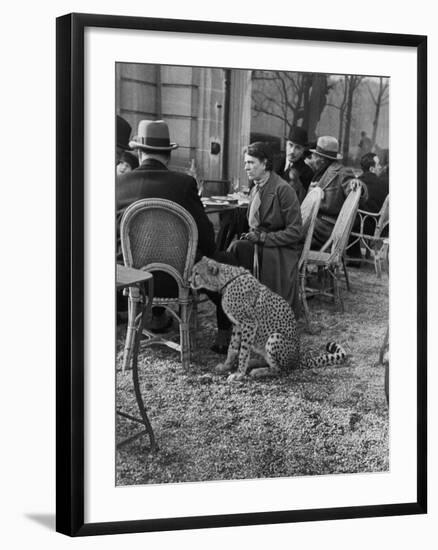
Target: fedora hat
298 135
327 146
123 132
152 135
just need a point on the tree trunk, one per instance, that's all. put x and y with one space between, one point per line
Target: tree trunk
375 123
342 112
348 111
306 86
378 102
317 102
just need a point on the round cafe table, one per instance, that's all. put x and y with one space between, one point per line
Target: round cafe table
126 277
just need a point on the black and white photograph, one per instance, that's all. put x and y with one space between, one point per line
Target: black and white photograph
252 269
220 252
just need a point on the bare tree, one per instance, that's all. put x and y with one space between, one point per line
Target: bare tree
348 87
380 98
294 98
341 84
314 106
351 84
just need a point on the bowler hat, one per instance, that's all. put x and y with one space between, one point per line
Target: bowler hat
327 146
123 132
152 135
298 135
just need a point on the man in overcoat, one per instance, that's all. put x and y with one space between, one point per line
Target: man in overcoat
332 178
292 167
377 186
153 179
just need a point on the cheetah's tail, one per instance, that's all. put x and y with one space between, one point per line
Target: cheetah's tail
335 355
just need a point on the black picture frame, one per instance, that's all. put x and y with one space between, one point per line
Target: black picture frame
70 274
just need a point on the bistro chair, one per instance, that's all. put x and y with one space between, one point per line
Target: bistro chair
330 258
160 235
309 212
372 236
309 209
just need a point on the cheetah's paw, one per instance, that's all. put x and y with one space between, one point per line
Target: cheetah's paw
222 368
235 377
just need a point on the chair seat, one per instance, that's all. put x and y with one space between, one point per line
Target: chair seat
320 258
368 237
157 301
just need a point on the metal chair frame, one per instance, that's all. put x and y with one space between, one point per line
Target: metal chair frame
374 244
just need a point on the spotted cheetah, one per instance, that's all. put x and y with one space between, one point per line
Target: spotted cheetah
262 321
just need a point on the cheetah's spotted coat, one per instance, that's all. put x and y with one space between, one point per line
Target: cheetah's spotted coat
262 321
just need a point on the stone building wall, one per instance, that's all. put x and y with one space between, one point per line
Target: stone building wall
192 100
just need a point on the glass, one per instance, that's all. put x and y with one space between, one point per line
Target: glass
235 185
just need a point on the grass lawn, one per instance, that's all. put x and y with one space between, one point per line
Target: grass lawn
307 422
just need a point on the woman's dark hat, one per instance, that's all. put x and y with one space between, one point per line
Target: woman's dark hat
131 159
123 132
152 135
298 135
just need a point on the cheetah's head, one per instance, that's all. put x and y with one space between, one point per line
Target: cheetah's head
205 274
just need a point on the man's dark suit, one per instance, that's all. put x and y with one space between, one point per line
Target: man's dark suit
304 171
378 189
153 180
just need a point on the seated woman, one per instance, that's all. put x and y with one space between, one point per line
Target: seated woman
274 219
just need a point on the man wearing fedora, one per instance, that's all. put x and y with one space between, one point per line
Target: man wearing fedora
330 176
153 179
292 168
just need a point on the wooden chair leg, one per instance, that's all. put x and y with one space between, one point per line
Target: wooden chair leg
347 279
304 301
378 265
194 324
184 333
385 255
336 289
130 334
378 254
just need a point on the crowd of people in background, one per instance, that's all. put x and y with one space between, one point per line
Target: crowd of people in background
274 219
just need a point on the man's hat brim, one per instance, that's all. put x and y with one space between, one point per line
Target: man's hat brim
137 145
124 146
335 156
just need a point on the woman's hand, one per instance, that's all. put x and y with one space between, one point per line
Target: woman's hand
253 236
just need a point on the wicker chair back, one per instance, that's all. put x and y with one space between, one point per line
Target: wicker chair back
309 211
383 218
158 234
344 222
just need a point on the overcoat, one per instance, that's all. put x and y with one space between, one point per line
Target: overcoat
378 189
280 220
335 184
305 173
154 180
